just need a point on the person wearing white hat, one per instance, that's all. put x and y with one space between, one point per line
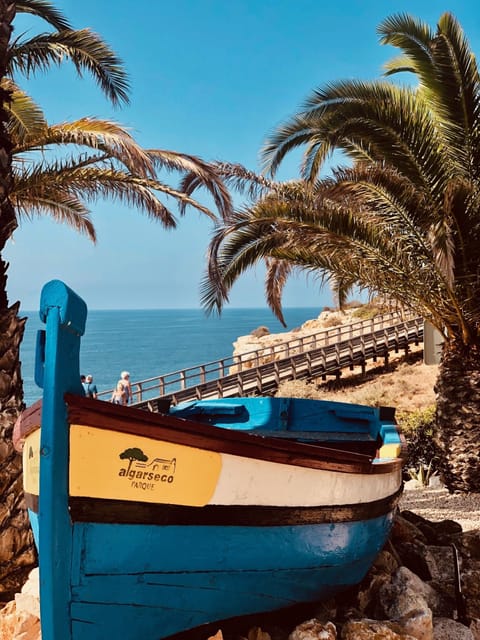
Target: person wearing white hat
125 380
90 388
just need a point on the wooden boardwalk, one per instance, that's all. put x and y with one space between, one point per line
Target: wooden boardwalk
320 353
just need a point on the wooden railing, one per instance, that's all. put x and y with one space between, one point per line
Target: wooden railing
319 353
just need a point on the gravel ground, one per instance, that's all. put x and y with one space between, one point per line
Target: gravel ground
438 504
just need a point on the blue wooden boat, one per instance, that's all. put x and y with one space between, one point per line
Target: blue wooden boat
149 524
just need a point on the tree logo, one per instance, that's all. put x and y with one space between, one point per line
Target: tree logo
133 454
145 476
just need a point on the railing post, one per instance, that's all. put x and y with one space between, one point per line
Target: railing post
258 380
239 385
294 368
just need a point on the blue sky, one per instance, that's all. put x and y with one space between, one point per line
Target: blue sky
210 78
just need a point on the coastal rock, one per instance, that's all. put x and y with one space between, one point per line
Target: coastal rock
407 595
470 544
475 628
471 587
391 603
418 623
448 629
261 346
373 629
314 630
20 618
414 556
405 531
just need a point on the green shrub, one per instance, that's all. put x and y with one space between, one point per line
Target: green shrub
334 320
422 453
369 311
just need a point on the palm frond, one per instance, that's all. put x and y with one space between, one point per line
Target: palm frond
61 205
276 277
85 49
198 173
459 92
107 136
373 120
25 118
414 38
289 136
448 76
45 10
400 64
404 219
93 182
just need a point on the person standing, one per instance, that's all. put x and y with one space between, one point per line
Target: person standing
125 380
119 394
90 388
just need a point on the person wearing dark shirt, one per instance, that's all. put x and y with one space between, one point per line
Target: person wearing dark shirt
90 388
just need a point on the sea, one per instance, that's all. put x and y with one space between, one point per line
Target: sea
155 342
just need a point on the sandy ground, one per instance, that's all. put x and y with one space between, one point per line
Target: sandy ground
439 504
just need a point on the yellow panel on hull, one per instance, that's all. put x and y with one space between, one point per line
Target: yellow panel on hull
31 463
120 466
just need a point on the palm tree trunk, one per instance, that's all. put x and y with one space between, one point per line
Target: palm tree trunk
17 553
458 417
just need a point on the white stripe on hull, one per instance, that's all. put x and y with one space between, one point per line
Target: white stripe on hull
244 481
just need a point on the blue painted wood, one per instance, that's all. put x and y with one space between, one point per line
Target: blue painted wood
232 571
169 548
64 314
285 414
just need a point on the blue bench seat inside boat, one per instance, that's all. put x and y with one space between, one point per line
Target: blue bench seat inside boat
329 424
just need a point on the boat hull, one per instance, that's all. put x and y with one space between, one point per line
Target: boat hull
153 581
150 556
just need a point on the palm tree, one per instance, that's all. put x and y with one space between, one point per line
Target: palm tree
79 162
403 220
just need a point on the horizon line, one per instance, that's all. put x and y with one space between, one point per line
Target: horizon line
190 309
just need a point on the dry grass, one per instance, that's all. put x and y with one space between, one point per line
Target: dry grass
407 385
